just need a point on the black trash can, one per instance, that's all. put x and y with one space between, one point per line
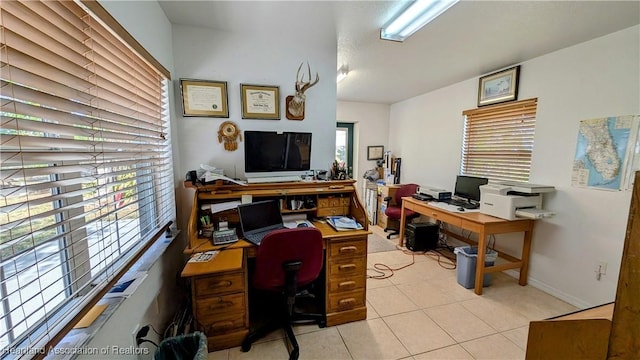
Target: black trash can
183 347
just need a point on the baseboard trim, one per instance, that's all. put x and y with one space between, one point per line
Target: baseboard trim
581 304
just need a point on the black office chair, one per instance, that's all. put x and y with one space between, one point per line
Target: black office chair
394 212
286 260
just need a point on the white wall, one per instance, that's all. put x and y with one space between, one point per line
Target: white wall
253 58
371 124
594 79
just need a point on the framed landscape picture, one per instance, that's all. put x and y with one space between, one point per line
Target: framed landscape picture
499 87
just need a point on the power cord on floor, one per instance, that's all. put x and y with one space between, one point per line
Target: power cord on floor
382 269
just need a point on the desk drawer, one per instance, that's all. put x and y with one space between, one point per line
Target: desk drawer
219 284
348 267
341 284
223 325
346 301
443 216
347 248
332 211
214 308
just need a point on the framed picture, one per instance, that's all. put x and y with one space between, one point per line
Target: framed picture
499 87
204 98
375 152
260 102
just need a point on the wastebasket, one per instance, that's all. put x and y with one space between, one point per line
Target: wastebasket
183 347
466 259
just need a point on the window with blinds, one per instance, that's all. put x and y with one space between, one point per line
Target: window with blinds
498 140
86 167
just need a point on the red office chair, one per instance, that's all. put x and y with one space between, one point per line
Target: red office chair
287 259
394 212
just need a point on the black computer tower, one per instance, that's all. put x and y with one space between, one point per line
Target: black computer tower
421 236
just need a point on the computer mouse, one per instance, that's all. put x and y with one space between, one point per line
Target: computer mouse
461 209
303 225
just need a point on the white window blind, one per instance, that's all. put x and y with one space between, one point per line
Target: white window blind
86 166
498 140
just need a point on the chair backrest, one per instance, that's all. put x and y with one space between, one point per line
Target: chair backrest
405 190
298 244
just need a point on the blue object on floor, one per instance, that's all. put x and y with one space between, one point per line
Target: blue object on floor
466 260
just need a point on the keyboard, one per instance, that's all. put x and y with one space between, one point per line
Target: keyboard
450 207
273 179
462 203
256 238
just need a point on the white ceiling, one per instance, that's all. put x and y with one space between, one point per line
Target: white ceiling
471 39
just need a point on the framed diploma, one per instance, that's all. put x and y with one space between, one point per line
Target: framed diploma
375 152
260 102
204 98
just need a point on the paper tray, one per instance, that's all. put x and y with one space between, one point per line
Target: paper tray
534 213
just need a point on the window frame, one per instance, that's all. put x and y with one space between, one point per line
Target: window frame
151 172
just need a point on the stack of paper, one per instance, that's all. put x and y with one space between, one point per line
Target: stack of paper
343 223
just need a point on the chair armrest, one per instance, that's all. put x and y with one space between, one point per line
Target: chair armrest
387 199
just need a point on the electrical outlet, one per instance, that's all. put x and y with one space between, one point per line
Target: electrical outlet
134 335
603 267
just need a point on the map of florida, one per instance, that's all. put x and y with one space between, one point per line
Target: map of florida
600 148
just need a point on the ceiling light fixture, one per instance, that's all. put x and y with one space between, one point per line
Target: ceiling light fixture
342 73
414 17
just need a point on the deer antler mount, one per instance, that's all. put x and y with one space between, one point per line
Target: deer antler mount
295 103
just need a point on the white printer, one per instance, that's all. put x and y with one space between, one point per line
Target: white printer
511 200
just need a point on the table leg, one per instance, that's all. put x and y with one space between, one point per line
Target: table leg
526 251
402 222
482 249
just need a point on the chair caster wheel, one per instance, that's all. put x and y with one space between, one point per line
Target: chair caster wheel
246 346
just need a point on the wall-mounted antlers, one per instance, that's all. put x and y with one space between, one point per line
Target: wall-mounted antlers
295 103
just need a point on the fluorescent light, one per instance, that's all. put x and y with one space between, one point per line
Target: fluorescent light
342 73
413 18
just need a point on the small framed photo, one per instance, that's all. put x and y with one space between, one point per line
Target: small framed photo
499 87
204 98
260 102
375 152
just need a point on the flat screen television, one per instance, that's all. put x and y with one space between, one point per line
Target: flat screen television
468 187
270 151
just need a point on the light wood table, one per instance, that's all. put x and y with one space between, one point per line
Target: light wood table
482 224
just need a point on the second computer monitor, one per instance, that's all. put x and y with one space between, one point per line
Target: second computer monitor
468 187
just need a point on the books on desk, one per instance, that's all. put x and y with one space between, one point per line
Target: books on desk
343 223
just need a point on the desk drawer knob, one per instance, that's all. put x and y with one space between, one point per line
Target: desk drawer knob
347 302
225 283
348 249
220 304
222 325
347 267
347 284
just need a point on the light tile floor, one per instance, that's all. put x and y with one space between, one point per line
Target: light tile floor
420 313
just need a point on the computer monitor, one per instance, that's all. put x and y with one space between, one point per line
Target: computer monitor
468 187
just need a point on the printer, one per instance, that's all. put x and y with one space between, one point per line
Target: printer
511 200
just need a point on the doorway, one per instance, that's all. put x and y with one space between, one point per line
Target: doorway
344 146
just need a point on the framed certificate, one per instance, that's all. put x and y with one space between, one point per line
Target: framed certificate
260 102
375 152
204 98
